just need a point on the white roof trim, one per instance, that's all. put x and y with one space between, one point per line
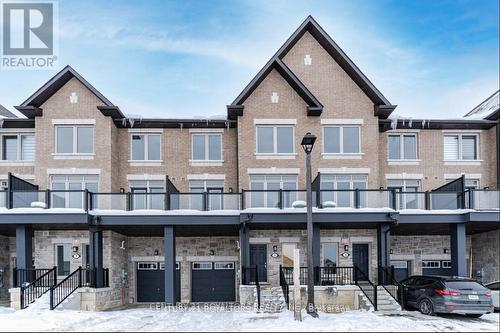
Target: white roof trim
273 170
344 170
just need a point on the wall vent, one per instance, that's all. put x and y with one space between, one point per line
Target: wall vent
73 98
307 60
275 97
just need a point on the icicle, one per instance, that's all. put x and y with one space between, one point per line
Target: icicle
132 122
410 122
182 125
124 122
1 123
394 123
423 123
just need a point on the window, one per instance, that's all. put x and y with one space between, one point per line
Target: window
431 264
19 147
275 140
402 147
202 265
76 184
341 140
146 147
446 264
267 190
147 194
223 265
147 266
330 251
407 198
338 188
460 147
214 188
74 140
63 258
287 251
207 147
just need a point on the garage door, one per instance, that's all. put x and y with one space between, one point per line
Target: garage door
436 267
213 282
151 282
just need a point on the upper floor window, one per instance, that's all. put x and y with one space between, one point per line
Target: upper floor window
146 147
460 147
341 140
338 188
407 196
74 140
207 147
402 147
147 194
275 140
18 147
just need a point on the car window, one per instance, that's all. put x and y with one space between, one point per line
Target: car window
493 286
408 282
423 282
464 285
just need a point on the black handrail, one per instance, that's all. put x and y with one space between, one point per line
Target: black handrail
285 287
250 276
366 286
22 276
391 285
31 291
257 285
77 279
323 276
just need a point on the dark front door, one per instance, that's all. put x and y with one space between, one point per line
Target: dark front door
360 257
213 282
258 257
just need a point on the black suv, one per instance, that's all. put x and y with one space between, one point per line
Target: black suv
439 294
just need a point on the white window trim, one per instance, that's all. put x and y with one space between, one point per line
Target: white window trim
206 176
341 154
458 175
145 177
19 161
74 171
290 121
340 121
404 176
275 154
207 153
75 141
404 161
146 161
73 121
344 170
273 170
461 161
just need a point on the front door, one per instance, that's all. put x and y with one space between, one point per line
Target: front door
360 257
258 257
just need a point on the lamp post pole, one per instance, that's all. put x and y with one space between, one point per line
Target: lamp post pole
307 144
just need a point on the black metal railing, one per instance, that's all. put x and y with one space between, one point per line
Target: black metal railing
479 199
285 287
250 276
323 276
366 286
24 276
77 279
391 285
29 292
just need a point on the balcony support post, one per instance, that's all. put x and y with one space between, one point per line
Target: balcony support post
383 248
96 256
170 282
458 243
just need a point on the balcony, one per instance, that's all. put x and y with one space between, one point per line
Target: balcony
248 200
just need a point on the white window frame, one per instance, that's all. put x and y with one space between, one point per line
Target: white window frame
401 146
207 147
220 265
460 150
146 147
75 140
446 264
147 266
203 266
433 263
19 151
275 140
66 186
341 140
351 181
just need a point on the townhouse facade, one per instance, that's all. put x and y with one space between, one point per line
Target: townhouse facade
206 210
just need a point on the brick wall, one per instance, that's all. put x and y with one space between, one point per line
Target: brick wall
485 255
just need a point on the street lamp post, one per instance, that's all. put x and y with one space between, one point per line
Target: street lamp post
308 143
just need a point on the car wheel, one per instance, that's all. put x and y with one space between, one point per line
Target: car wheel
425 307
474 315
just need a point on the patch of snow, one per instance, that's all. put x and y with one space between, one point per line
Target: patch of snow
318 210
36 210
486 108
164 212
193 319
435 211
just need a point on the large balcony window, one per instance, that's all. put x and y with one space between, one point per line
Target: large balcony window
267 188
147 194
338 188
406 193
214 190
67 190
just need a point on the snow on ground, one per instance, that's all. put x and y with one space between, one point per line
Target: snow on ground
146 319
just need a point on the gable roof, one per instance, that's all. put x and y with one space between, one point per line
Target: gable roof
6 113
31 107
383 106
487 109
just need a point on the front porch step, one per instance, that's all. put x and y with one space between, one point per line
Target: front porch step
385 302
272 300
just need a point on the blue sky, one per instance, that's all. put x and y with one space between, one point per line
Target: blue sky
186 58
